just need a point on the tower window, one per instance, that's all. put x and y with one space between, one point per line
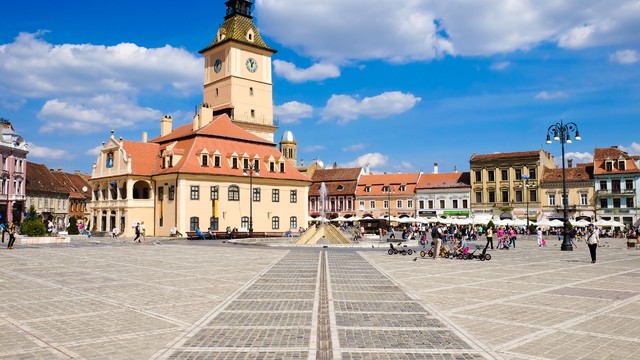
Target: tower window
217 92
250 91
253 113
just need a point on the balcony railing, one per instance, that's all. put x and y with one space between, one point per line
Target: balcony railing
608 192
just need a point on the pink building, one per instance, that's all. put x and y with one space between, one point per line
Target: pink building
14 165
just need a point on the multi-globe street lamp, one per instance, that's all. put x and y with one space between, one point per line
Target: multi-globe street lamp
562 132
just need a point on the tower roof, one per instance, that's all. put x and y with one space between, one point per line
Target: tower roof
288 137
237 25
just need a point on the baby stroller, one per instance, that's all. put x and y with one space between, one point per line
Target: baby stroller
503 243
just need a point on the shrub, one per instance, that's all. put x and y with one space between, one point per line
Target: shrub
72 229
32 227
491 224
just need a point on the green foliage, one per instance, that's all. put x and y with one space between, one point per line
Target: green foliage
32 214
532 229
72 229
491 225
569 226
32 227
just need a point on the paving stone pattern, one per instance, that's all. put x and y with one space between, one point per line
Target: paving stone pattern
109 299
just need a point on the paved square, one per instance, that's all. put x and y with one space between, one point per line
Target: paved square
109 299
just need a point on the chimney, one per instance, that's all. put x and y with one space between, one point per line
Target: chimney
455 169
59 170
335 165
144 136
206 115
569 163
166 125
435 168
77 172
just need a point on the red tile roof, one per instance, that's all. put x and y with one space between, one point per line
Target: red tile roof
444 181
580 173
144 157
377 182
338 174
601 155
494 156
41 179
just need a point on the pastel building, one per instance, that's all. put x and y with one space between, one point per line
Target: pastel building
13 148
221 170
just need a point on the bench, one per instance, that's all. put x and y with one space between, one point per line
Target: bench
235 235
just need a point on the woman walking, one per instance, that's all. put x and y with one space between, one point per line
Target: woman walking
489 237
592 239
12 236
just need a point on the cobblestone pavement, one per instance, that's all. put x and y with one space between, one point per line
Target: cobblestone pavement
109 299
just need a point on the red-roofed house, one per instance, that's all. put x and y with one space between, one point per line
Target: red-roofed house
617 185
340 185
444 195
193 177
383 194
579 181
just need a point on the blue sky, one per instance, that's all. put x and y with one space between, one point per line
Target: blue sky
358 82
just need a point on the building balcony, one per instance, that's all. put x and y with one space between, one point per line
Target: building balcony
610 192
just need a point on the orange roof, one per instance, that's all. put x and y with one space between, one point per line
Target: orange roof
582 172
446 180
221 126
375 183
601 155
338 174
143 156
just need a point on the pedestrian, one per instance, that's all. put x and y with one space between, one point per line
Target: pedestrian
12 236
392 233
114 232
436 235
592 239
489 237
539 236
142 232
512 237
50 228
137 228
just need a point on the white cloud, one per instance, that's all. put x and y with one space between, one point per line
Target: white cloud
317 72
633 149
500 66
551 95
346 108
93 115
374 160
42 152
94 150
624 57
354 147
579 157
427 29
312 148
292 112
33 68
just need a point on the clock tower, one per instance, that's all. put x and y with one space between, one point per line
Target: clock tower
237 72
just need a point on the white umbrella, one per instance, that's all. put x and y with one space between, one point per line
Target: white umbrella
579 223
604 223
556 223
354 218
617 224
406 220
340 218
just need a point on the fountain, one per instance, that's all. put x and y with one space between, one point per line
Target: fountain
323 233
323 201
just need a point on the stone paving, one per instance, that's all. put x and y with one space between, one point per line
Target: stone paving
168 299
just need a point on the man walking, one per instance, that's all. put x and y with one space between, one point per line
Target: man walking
592 239
437 240
137 233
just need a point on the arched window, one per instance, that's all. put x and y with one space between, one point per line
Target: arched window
194 223
234 193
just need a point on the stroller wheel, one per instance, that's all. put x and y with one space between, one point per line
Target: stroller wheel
403 252
409 251
460 256
487 257
482 258
390 251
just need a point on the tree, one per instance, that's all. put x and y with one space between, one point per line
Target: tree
32 226
72 229
490 224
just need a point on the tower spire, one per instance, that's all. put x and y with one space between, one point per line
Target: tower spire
238 7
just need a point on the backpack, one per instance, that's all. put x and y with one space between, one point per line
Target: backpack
434 233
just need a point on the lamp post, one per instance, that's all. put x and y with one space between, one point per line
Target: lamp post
562 132
250 169
526 189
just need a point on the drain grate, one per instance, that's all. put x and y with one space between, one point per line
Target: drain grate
324 348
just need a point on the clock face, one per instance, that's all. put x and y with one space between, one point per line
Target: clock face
252 65
217 66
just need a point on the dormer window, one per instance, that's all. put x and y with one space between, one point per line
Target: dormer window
245 163
385 189
216 161
402 188
234 163
272 166
256 165
204 160
282 167
367 189
340 187
608 165
622 165
170 161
